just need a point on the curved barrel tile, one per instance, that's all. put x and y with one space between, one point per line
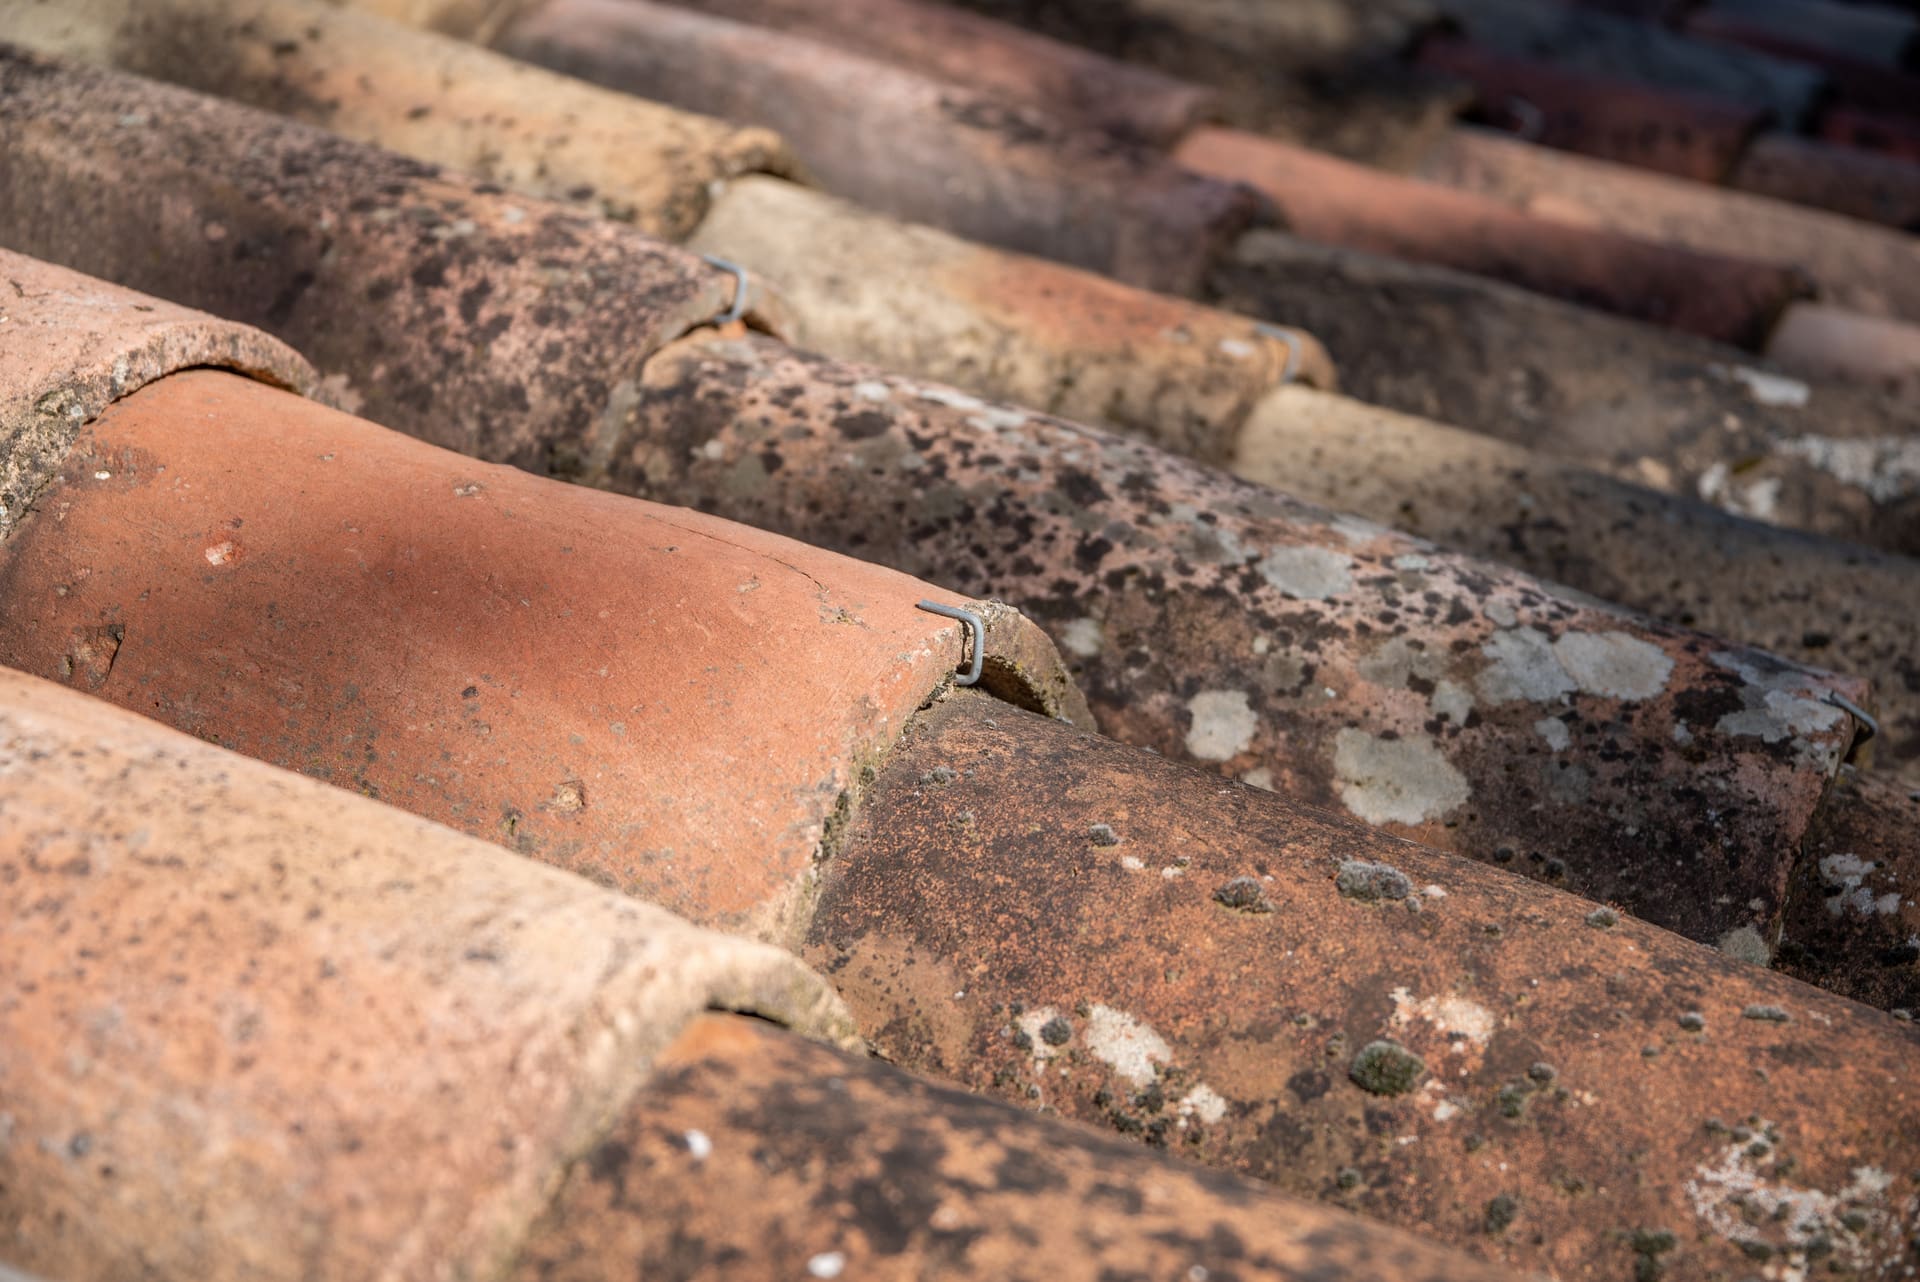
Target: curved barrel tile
1821 601
259 1028
437 99
1660 408
492 316
1047 916
912 299
1334 202
72 346
853 1169
1071 84
1462 704
672 705
906 144
1870 269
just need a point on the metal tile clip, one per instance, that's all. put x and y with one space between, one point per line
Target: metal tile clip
1858 713
1291 343
974 626
739 307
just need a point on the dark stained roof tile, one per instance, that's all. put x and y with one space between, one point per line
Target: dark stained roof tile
1656 407
906 144
1335 202
1854 264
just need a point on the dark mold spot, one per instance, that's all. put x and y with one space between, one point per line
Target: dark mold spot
1371 882
1386 1068
1242 895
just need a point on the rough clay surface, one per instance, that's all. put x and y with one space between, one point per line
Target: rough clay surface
498 325
1659 408
436 99
1853 914
1322 656
919 301
1821 601
854 1169
283 1032
1414 1036
669 704
1870 269
71 345
907 144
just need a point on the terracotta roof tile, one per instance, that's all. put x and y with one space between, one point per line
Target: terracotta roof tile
1856 265
257 1027
1822 601
916 300
851 1168
1071 85
906 144
1335 202
557 669
1327 657
1688 133
74 345
770 739
437 99
691 411
1859 184
1605 44
1867 32
1038 913
1834 343
1659 408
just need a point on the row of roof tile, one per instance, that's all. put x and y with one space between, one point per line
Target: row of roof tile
992 908
1000 899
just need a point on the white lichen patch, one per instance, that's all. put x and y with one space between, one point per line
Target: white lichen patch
1524 664
1779 704
1521 666
1357 529
1083 637
872 389
1613 664
1554 731
1846 877
1886 467
1133 863
1465 1022
1773 390
1757 499
1222 724
1740 1199
1452 701
1203 1103
1258 777
1744 943
1308 573
1124 1044
1406 780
